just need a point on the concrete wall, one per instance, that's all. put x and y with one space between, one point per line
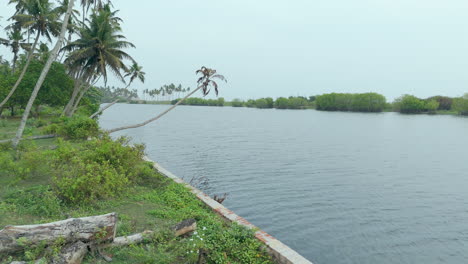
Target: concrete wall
279 251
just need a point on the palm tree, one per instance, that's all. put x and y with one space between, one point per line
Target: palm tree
15 42
135 72
45 70
205 82
37 16
98 49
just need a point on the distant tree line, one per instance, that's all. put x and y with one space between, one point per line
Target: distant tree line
124 95
410 104
360 102
201 101
292 102
166 92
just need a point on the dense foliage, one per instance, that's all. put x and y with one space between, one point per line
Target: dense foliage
201 101
409 104
98 176
365 102
461 105
55 90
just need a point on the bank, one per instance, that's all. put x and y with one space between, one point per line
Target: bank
55 179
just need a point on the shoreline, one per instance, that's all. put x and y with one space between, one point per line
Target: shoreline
275 248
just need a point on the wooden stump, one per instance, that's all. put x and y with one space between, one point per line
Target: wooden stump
99 228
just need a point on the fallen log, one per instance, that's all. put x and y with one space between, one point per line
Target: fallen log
185 227
94 229
72 254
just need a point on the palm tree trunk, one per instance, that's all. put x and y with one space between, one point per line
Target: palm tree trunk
22 72
78 83
104 108
155 118
77 102
13 66
50 60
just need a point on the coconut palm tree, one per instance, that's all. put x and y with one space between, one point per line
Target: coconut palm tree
135 72
98 49
15 42
36 16
205 83
45 70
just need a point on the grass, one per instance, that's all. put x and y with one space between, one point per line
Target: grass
156 203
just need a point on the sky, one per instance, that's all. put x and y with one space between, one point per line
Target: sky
300 47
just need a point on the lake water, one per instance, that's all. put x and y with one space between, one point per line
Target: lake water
336 187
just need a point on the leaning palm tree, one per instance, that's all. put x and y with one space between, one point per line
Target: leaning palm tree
134 72
45 70
98 49
205 83
39 17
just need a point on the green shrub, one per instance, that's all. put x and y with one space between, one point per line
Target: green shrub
38 200
460 105
237 103
99 168
431 106
410 104
364 102
83 182
9 168
75 127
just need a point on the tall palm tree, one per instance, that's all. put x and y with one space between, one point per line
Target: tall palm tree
134 72
39 17
96 4
205 82
15 42
45 70
97 50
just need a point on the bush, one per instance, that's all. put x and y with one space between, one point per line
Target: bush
445 103
410 104
461 105
75 127
201 101
281 103
237 103
431 106
79 181
99 168
38 200
364 102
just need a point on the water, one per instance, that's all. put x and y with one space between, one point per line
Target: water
336 187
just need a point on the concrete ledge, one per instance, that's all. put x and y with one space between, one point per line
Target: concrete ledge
279 251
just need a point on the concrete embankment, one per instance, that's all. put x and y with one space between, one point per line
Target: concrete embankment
279 251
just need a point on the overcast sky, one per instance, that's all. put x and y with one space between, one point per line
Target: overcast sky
301 47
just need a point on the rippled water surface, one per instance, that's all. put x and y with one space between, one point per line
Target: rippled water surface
336 187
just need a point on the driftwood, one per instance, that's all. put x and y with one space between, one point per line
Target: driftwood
100 228
79 236
185 227
72 254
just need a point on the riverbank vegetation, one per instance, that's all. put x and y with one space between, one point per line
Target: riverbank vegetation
363 102
80 170
55 179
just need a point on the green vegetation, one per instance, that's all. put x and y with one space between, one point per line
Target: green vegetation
461 105
293 103
365 102
80 178
201 101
